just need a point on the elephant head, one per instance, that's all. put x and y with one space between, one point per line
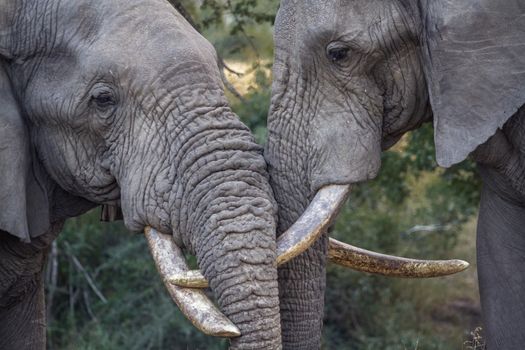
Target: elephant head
121 103
350 78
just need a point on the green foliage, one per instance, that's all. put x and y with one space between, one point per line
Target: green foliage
112 296
243 13
239 29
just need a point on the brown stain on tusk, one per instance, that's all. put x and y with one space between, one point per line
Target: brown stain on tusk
193 303
367 261
189 279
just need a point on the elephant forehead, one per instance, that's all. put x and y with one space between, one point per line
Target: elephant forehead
313 21
147 35
154 28
308 17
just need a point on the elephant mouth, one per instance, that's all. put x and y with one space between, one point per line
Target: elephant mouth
184 284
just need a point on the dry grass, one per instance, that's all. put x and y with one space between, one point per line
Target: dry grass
476 342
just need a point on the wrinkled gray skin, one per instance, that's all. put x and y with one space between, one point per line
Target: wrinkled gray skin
350 78
120 102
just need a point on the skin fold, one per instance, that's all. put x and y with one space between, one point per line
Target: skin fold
350 78
121 103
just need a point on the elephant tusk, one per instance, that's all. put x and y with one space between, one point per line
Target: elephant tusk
367 261
193 303
315 220
313 223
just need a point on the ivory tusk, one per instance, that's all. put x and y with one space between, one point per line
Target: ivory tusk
313 223
367 261
315 220
193 303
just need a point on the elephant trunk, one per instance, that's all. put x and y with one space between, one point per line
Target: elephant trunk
210 190
228 221
235 249
302 280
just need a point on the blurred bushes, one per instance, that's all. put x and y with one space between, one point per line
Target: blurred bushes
135 311
107 294
254 109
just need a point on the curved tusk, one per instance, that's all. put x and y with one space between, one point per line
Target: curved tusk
298 238
366 261
193 303
315 220
313 223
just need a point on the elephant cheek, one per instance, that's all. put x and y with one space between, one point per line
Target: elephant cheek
344 155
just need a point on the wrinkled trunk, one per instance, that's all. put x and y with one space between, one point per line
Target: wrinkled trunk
210 189
302 281
235 248
230 220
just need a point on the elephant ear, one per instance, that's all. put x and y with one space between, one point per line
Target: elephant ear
24 204
474 58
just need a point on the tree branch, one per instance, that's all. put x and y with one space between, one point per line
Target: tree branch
88 278
51 279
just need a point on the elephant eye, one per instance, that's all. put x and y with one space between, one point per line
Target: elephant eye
103 97
337 53
104 100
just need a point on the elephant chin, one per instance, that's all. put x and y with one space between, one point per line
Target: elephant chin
316 220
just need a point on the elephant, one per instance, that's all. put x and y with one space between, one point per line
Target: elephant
121 104
352 77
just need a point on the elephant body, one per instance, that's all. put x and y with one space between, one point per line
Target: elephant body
500 239
122 104
350 78
22 311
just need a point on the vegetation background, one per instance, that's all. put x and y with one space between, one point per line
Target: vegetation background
103 291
